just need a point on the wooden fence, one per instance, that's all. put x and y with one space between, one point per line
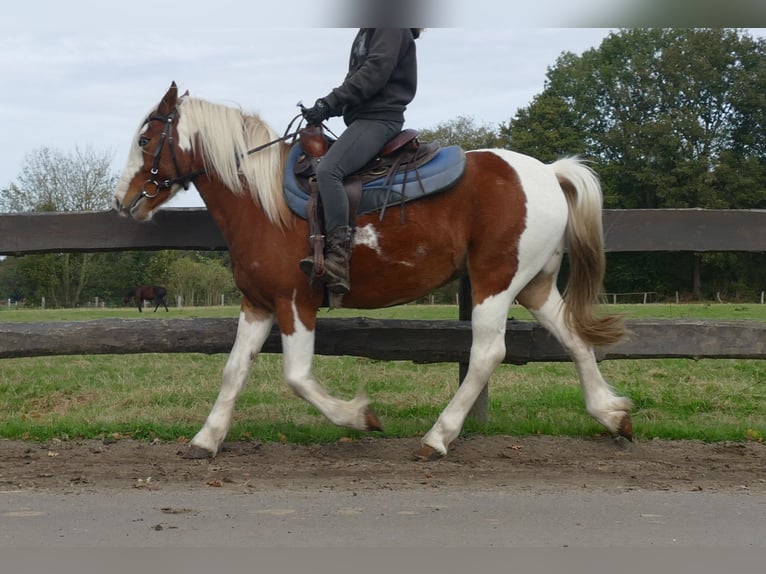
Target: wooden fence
627 230
689 230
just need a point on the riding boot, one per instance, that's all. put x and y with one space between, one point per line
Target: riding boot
336 262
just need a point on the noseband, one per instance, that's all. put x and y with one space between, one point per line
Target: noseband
166 135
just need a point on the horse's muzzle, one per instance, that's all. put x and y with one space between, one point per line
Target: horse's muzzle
121 209
130 208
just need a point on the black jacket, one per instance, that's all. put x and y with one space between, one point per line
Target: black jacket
382 76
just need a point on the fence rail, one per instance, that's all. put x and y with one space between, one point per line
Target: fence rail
630 230
382 339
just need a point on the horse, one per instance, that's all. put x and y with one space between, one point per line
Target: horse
505 224
154 293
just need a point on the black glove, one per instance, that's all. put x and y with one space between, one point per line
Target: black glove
319 113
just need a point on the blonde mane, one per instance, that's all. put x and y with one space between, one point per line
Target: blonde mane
225 135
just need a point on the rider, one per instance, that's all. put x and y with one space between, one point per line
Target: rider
381 81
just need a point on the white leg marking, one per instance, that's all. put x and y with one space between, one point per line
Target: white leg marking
250 338
601 401
298 355
487 352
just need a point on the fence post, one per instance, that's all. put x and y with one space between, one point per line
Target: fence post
480 409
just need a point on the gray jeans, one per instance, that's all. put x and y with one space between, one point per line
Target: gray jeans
357 145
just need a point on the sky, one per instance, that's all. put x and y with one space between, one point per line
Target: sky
82 74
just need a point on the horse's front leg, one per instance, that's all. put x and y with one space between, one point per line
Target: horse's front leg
252 331
298 355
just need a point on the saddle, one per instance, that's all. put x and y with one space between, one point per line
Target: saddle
400 156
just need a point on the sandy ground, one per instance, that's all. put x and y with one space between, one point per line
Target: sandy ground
544 464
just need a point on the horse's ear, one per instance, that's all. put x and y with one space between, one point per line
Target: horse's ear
186 93
169 100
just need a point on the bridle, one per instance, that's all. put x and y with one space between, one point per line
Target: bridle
166 135
184 180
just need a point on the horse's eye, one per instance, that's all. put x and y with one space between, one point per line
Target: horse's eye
143 141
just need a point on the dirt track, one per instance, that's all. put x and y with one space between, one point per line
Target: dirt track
528 463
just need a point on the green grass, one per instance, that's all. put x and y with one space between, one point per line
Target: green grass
713 311
168 396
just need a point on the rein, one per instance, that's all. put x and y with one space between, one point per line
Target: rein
287 135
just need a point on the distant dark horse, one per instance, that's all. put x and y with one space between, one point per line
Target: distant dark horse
153 293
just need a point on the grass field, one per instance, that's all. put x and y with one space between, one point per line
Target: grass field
168 396
738 312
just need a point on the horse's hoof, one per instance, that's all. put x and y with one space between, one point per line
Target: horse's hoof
197 453
372 421
625 430
426 454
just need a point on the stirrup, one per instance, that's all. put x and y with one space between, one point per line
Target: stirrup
307 266
313 265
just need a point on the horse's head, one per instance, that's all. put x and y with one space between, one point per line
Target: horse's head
159 165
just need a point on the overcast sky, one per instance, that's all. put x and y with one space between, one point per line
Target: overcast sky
84 73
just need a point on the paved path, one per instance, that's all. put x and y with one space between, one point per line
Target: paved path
401 518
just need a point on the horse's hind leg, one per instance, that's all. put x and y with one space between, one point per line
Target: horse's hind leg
542 298
488 322
252 330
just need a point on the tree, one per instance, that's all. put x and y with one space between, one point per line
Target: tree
668 115
672 118
201 279
10 281
117 272
462 131
546 130
54 181
51 180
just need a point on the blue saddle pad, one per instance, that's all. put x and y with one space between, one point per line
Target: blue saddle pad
439 174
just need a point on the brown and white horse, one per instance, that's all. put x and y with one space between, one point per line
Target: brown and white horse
505 224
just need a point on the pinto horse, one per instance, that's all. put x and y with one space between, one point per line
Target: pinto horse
505 224
153 293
